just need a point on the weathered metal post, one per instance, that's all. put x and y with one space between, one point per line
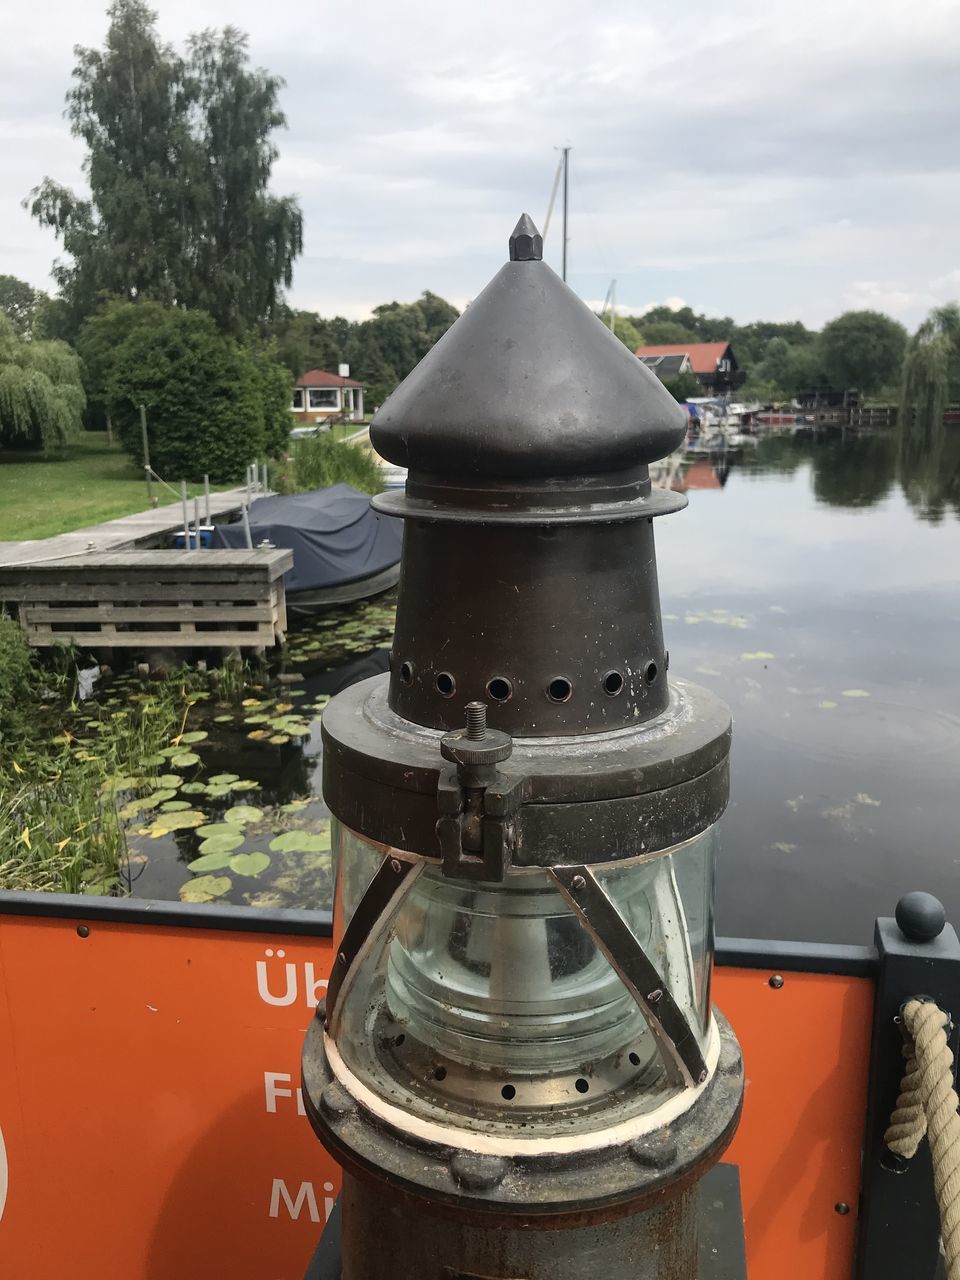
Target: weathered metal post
186 515
518 1064
145 443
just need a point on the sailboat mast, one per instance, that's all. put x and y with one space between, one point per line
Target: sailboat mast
566 192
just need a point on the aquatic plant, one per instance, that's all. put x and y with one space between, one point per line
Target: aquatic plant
61 792
316 462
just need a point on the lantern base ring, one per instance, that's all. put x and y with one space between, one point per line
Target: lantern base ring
625 1163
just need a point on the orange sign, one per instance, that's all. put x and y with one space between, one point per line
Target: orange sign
153 1129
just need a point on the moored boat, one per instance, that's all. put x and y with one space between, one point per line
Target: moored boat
343 550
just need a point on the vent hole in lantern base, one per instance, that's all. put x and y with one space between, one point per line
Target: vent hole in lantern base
500 688
559 689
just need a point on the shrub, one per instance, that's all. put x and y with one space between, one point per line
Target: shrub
18 680
316 462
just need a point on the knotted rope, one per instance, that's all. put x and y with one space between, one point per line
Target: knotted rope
927 1106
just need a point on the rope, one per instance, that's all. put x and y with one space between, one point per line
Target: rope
927 1107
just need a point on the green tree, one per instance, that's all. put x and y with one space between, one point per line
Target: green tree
211 402
179 157
41 392
683 386
662 333
931 368
19 302
862 349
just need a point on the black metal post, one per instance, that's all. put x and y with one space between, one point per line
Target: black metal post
899 1228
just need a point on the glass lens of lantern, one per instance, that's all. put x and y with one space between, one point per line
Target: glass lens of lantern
668 903
477 988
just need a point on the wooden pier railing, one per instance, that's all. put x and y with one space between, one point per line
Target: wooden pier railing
152 599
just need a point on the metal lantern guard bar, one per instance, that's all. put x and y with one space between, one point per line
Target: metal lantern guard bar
517 1064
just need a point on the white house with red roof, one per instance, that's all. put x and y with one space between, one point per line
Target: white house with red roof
319 396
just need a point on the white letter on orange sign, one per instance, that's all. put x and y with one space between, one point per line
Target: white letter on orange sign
314 987
304 1196
271 1090
262 987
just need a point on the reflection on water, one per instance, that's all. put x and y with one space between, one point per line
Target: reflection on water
813 585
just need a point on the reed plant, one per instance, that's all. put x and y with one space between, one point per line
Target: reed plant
62 783
316 462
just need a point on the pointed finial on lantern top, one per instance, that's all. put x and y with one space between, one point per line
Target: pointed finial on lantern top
526 242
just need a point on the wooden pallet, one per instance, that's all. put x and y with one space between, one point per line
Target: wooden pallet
152 599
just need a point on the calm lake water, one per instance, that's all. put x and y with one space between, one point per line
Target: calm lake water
814 586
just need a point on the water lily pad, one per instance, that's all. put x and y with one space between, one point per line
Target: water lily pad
227 719
193 788
294 806
300 842
279 739
252 702
249 864
856 693
179 821
222 842
122 783
205 888
283 706
169 780
259 717
223 779
241 814
259 735
761 655
151 761
208 829
174 806
131 810
247 784
158 797
185 760
211 861
826 705
195 735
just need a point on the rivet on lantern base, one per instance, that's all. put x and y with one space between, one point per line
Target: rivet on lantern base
519 1067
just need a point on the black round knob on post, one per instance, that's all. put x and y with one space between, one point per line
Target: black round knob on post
921 916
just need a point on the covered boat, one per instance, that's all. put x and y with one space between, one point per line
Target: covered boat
343 550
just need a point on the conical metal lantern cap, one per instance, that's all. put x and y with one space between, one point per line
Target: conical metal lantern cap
527 385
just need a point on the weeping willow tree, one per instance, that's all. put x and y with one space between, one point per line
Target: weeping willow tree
931 380
41 392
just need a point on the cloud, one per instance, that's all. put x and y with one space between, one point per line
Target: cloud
758 159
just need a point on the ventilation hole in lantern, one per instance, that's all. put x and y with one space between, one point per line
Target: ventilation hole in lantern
650 672
559 690
440 1073
406 673
500 689
508 1092
398 1040
446 685
635 1059
581 1085
612 683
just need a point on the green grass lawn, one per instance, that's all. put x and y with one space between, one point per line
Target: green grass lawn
85 484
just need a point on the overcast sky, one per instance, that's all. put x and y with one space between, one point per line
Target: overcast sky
756 158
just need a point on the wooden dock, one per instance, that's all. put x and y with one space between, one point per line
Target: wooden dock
149 528
152 600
